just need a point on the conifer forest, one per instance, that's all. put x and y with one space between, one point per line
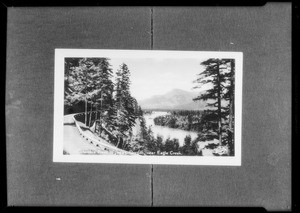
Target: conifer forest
99 104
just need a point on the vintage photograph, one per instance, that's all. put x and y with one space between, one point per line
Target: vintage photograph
147 106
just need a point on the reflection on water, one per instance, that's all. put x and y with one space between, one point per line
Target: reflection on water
166 132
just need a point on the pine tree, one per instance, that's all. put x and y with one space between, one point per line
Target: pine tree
171 145
70 64
89 80
75 81
94 83
229 97
125 103
143 127
104 93
212 75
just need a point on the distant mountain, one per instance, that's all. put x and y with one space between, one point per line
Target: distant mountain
176 99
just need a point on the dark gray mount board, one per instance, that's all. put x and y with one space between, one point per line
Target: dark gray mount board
263 34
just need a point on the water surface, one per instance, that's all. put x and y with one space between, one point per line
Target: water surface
166 132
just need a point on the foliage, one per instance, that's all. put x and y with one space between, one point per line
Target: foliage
219 118
124 103
109 105
189 147
89 88
220 151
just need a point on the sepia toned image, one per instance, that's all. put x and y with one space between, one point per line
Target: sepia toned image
164 107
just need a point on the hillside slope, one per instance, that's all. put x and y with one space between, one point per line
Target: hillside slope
176 99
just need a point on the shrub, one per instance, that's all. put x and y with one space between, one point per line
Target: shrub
220 151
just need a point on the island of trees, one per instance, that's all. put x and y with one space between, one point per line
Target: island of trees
92 87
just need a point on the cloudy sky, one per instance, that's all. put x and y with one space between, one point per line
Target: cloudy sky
158 76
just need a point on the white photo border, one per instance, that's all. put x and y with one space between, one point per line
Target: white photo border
58 156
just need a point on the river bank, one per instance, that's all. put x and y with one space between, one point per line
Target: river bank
166 132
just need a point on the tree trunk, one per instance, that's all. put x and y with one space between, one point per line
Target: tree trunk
233 91
230 114
231 110
96 115
85 112
90 118
231 100
85 120
119 139
219 105
123 145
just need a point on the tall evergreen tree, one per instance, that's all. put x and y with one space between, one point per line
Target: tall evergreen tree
75 82
99 85
212 75
104 88
229 75
70 64
125 103
89 80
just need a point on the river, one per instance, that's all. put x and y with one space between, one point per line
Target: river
166 132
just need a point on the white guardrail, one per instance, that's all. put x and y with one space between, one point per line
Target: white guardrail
98 144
